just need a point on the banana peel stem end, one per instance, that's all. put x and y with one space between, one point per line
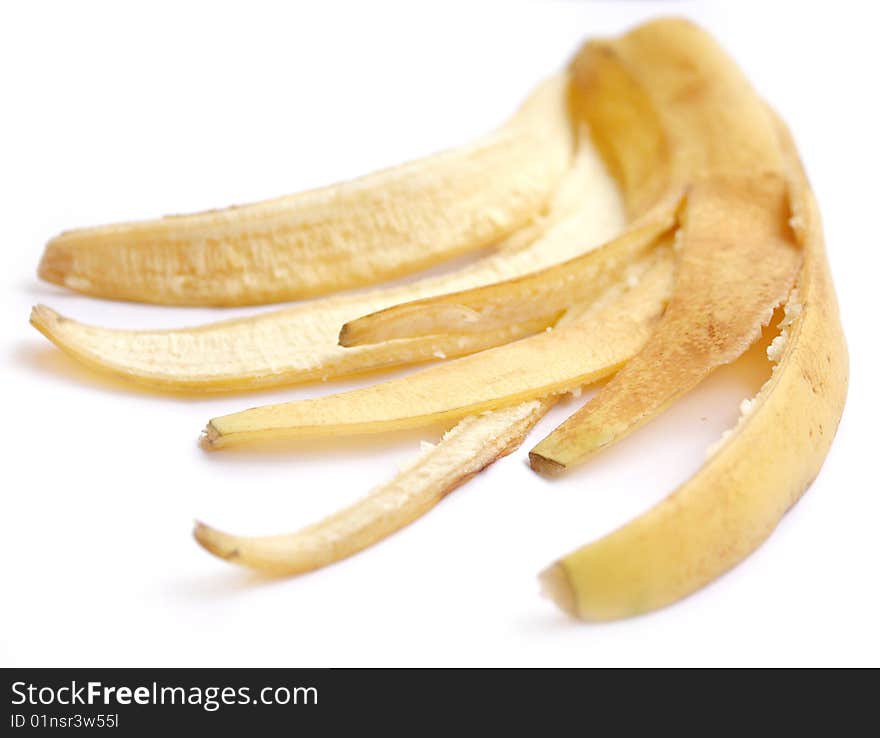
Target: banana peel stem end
210 438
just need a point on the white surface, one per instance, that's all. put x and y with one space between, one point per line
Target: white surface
114 112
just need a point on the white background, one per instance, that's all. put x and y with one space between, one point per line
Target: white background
114 111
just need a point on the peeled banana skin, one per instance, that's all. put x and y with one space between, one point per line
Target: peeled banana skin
624 311
542 294
723 513
299 343
347 235
696 155
583 350
738 257
473 444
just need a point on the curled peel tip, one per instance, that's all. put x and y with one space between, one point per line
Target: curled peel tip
359 331
544 465
46 320
556 586
346 338
202 534
55 263
214 541
41 314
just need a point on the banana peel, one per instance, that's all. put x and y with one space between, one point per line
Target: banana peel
583 350
299 343
543 295
737 264
762 468
474 443
352 234
691 147
468 448
739 257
